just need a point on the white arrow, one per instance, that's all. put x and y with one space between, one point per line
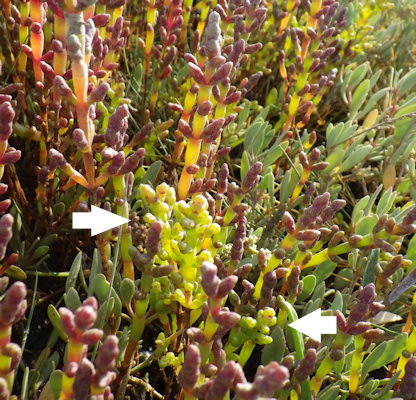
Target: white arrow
314 325
98 220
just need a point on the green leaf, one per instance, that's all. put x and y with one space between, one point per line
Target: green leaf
59 209
268 136
333 132
16 273
355 158
372 200
137 77
40 252
334 159
49 367
73 272
48 240
359 97
243 114
152 173
404 150
72 300
296 335
309 283
338 302
262 115
357 76
340 133
324 270
374 78
369 275
383 355
127 289
406 83
55 319
96 268
312 305
244 166
343 278
319 292
330 393
370 387
404 125
360 206
386 389
408 281
370 104
386 202
182 73
101 288
268 184
104 312
366 225
290 179
346 133
271 98
253 137
411 249
274 152
56 383
275 350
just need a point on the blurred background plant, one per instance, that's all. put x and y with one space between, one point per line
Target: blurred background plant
264 154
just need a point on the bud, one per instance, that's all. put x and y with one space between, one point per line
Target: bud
221 73
309 235
288 222
116 163
184 127
67 319
410 217
306 366
11 156
6 118
132 162
79 139
243 271
86 314
91 336
232 98
227 318
99 93
196 73
13 351
101 20
252 177
222 382
226 285
81 385
162 270
70 369
140 260
107 354
270 378
213 130
56 159
153 239
142 134
192 169
205 108
209 279
189 374
408 384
